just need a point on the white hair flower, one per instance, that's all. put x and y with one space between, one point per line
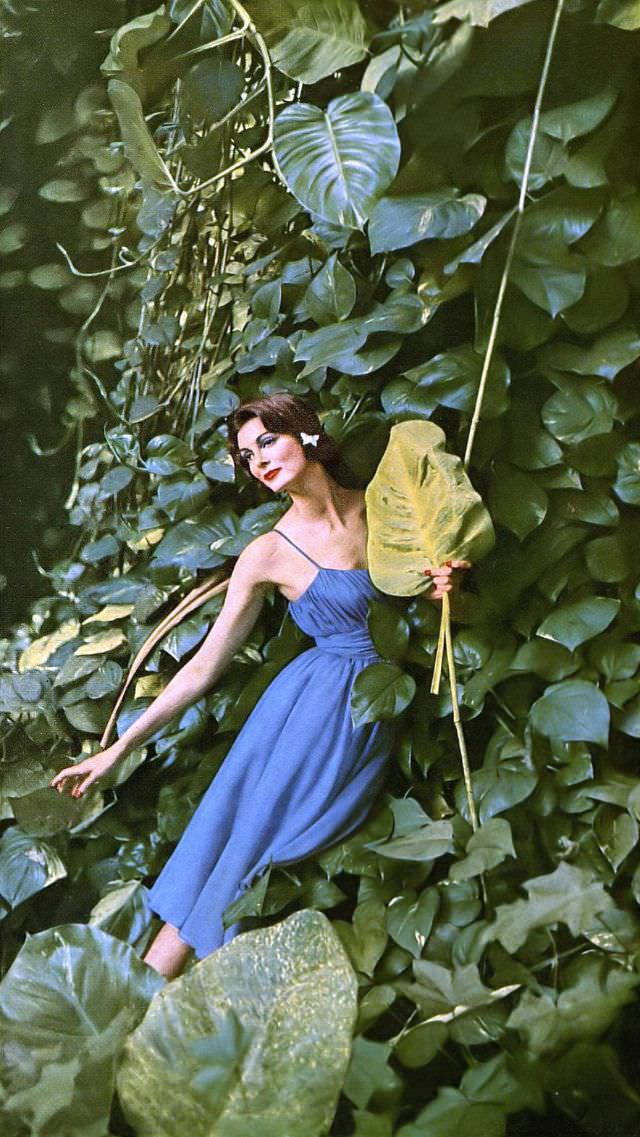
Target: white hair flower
309 439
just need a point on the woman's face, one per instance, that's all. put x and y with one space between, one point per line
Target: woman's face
274 459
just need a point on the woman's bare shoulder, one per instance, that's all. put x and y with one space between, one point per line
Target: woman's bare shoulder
258 562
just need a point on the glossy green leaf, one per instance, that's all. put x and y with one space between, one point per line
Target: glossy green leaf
616 833
331 294
63 189
421 1044
610 559
516 500
573 710
550 277
556 128
609 354
486 848
27 865
409 921
547 659
615 239
574 623
479 13
568 895
425 843
326 160
182 497
389 631
380 691
400 221
627 483
301 965
307 42
365 938
422 511
123 911
507 778
579 410
604 300
369 1072
190 542
133 37
211 88
451 379
584 1009
82 991
140 147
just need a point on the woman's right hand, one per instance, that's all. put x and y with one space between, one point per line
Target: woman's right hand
80 777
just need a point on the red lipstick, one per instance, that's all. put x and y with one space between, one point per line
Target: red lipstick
272 474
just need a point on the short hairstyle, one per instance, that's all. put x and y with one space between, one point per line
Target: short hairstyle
285 414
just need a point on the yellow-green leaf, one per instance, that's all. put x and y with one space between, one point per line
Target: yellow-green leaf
148 686
102 643
109 613
422 510
40 650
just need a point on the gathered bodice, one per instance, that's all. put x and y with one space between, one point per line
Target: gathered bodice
333 609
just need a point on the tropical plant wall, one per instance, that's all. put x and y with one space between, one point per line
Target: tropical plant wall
396 211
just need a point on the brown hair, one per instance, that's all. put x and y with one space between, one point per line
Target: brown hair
285 414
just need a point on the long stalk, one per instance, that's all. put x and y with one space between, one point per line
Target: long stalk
446 637
497 312
455 711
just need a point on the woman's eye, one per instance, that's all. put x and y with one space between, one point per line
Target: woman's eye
268 441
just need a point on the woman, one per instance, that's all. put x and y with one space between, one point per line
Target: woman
299 776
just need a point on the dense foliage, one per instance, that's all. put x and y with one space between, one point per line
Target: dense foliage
322 199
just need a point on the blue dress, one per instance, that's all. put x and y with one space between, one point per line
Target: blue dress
298 777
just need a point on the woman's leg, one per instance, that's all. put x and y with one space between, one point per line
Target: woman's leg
168 953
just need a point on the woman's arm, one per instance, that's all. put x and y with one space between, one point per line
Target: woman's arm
242 605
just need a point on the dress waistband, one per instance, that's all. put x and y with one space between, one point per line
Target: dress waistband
357 643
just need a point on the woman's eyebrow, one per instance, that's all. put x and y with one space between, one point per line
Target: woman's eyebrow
247 449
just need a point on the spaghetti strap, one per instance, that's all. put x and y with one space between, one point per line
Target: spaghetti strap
274 530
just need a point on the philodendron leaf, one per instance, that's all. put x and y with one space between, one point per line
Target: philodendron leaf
27 865
574 623
380 691
308 42
400 221
486 849
72 995
584 1009
569 895
139 145
288 996
329 160
425 843
422 510
573 710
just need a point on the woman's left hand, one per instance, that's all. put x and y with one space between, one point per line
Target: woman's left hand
446 578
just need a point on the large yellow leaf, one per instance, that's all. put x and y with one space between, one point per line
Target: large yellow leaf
422 510
38 652
102 643
110 613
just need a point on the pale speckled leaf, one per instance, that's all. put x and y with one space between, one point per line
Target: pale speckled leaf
422 510
292 989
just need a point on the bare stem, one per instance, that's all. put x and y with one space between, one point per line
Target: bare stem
455 710
497 312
